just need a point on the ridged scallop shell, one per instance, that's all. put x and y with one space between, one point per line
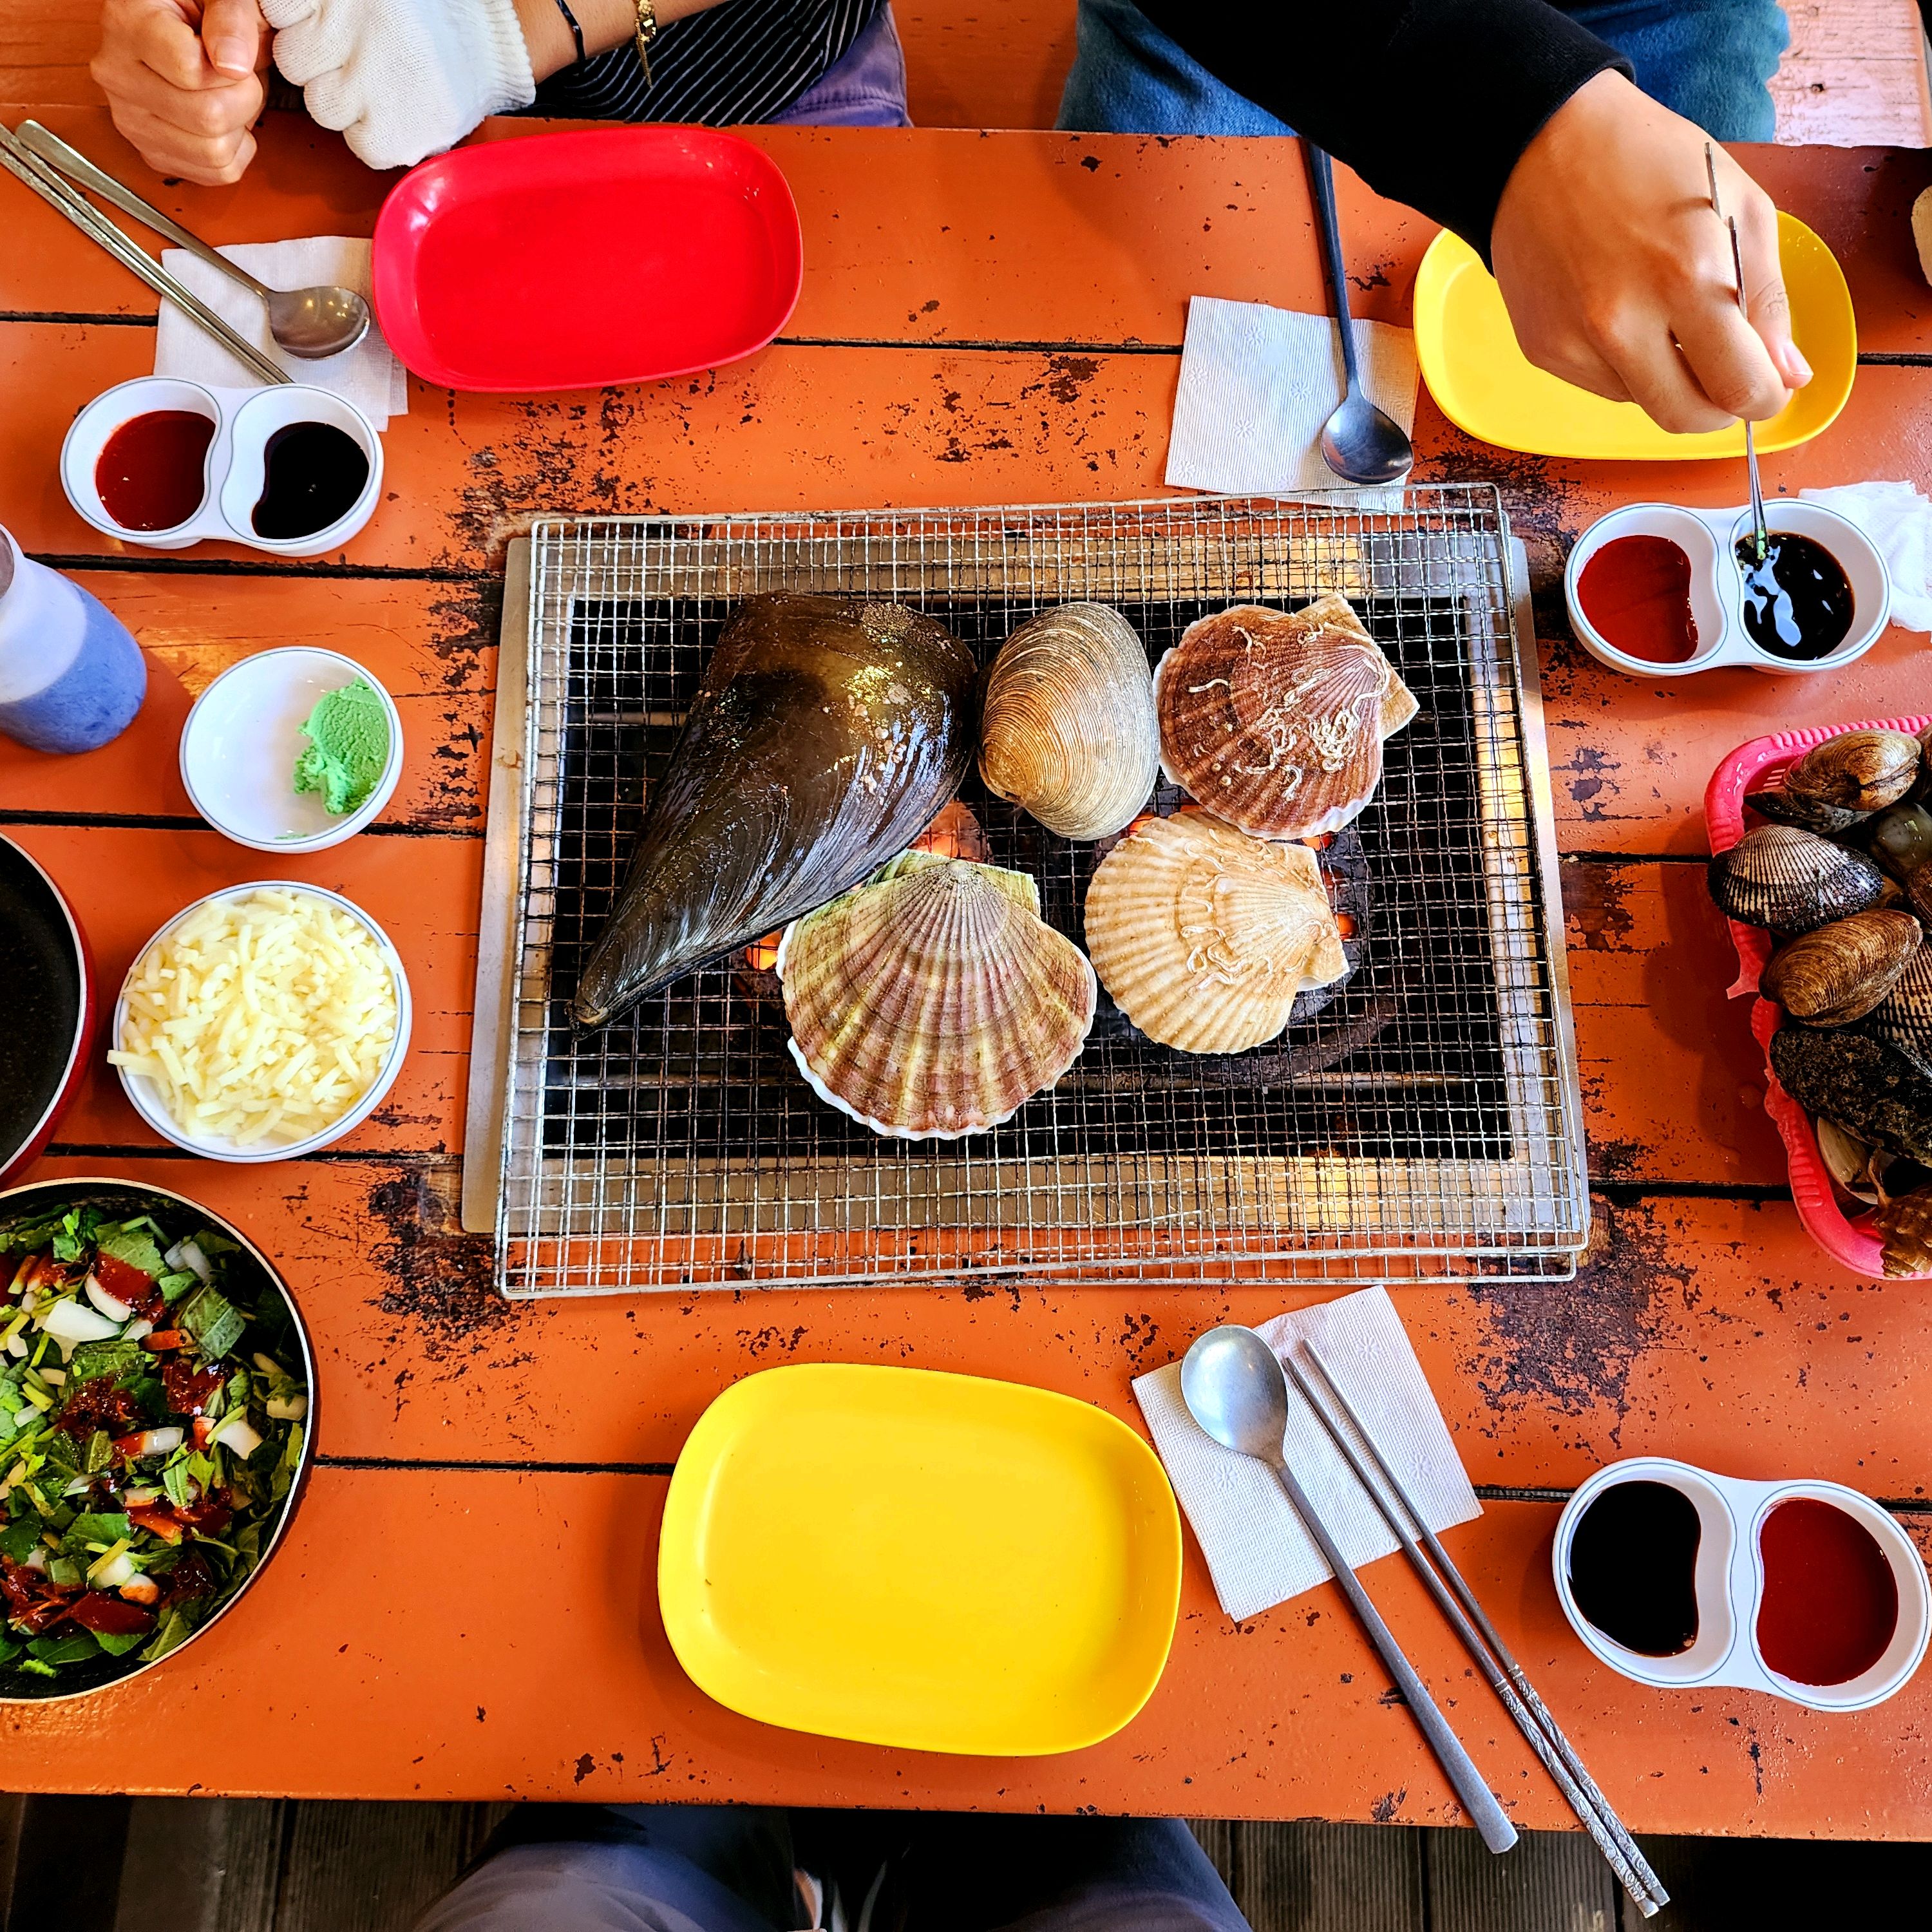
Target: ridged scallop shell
1792 881
1274 722
1840 972
1858 771
1903 1225
933 1001
1903 1019
1204 936
1067 727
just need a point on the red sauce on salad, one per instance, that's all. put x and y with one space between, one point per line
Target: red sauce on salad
132 1287
1830 1601
1637 591
97 1404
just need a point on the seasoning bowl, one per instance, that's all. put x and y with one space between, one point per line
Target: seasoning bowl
25 1204
146 1096
1708 538
233 469
1730 1586
239 747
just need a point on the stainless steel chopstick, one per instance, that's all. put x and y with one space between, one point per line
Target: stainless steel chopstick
1760 534
26 166
1484 1644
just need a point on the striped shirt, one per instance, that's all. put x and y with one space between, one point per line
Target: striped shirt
733 64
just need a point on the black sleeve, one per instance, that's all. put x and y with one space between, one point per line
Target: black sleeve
1429 101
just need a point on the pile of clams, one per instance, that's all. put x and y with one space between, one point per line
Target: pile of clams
1841 872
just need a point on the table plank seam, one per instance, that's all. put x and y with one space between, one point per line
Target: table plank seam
485 1465
224 566
144 821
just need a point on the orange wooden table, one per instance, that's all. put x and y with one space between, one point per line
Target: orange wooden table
467 1608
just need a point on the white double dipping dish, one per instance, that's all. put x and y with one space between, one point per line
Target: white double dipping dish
234 471
1709 538
1728 1581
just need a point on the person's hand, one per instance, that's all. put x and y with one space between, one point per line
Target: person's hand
1619 278
403 79
183 82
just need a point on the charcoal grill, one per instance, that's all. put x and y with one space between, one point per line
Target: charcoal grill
1423 1124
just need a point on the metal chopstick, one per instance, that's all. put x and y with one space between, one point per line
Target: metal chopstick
1492 1655
1760 535
22 162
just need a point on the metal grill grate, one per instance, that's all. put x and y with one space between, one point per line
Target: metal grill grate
1423 1124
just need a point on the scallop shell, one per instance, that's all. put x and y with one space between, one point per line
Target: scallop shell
933 1001
1840 972
1792 881
1903 1224
1275 722
1860 771
1903 1019
1067 727
1204 937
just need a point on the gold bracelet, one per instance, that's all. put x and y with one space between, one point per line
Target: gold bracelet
647 32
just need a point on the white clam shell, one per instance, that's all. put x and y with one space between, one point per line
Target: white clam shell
1204 936
1275 721
933 1001
1067 727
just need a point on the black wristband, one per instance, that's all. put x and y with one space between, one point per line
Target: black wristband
576 32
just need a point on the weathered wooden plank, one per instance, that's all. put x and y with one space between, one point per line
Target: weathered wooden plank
431 645
201 1864
1855 73
1547 1880
1309 1877
355 1667
365 1868
66 1862
124 884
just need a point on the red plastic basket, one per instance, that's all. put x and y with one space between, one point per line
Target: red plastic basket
1818 1206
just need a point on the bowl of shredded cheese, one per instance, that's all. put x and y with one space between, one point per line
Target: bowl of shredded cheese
263 1022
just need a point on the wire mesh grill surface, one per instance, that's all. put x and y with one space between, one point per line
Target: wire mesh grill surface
1423 1124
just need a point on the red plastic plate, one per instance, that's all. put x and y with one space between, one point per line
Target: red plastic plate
574 261
1820 1206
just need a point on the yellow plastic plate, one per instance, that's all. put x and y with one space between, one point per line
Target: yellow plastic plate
930 1561
1484 384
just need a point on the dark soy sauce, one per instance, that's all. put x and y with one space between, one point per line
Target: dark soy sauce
1634 1565
1831 1602
312 474
149 471
1798 601
1637 591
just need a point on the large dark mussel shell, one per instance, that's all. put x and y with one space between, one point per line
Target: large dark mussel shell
1840 972
1903 1019
1866 1088
1904 1224
1792 881
1899 839
1861 771
1786 807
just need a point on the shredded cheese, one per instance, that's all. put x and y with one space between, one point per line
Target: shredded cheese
261 1019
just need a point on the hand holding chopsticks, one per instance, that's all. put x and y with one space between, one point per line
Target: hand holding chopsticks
1457 1602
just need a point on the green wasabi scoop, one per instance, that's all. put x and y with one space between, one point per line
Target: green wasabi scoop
349 747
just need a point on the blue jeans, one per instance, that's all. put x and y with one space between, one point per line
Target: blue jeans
696 1868
1708 60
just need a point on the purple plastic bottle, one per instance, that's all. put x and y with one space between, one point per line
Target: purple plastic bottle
71 677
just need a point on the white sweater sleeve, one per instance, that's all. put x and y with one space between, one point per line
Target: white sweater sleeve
402 78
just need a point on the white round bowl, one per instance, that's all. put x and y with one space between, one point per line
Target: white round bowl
239 746
146 1099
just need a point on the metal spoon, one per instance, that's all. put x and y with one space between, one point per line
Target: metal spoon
1359 442
1234 1386
309 323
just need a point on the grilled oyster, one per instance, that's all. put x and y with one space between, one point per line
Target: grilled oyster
1792 881
1840 972
1875 1092
1860 771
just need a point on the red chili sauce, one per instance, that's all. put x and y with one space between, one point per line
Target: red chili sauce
1831 1602
1637 591
149 473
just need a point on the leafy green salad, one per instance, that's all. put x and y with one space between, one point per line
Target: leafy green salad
152 1413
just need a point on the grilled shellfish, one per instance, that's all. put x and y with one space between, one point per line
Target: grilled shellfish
1792 881
933 1001
1067 727
1205 937
1274 722
1857 771
1838 974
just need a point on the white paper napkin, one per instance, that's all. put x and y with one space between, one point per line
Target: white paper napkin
1257 383
1258 1552
369 376
1899 521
